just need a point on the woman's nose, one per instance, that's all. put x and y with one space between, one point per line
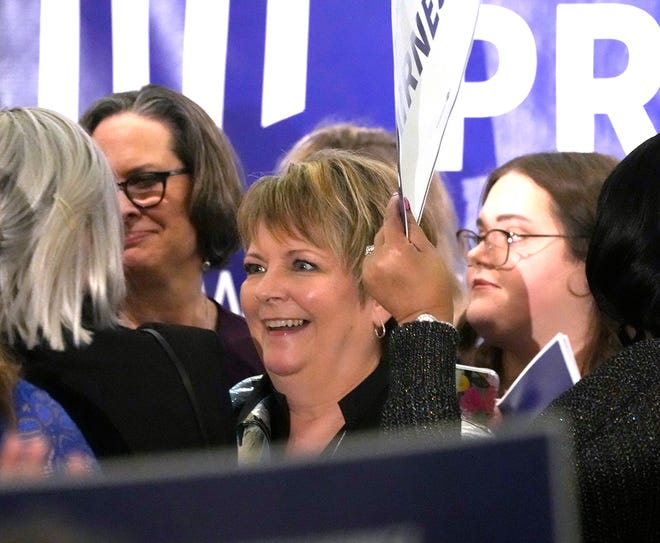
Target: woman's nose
126 207
272 286
478 255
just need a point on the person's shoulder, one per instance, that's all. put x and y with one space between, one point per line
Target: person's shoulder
625 383
27 393
228 315
36 409
632 365
175 331
231 324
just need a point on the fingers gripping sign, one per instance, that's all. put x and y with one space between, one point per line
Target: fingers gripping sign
407 275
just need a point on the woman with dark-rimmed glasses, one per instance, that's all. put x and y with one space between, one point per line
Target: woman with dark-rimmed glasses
179 185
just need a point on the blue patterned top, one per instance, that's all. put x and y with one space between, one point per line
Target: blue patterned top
38 414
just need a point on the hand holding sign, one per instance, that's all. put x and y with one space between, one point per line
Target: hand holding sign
432 42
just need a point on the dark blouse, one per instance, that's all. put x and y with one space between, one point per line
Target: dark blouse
127 395
243 358
361 407
612 417
412 390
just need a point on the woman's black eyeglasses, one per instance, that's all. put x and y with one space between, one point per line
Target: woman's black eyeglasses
497 243
147 189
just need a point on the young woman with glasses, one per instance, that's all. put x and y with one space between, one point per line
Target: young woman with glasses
179 186
526 280
611 417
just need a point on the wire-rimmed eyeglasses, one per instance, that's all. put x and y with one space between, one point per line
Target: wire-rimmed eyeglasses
497 243
147 189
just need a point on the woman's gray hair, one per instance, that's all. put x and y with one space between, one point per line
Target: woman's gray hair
60 231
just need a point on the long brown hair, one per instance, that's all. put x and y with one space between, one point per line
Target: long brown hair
573 181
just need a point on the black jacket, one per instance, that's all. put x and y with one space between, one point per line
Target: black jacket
128 396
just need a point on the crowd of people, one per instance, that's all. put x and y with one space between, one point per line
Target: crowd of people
116 350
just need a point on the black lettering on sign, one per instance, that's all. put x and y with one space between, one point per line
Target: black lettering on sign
420 44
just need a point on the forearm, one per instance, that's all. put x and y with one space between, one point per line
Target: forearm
422 397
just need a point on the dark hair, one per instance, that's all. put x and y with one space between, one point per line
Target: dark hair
623 263
204 150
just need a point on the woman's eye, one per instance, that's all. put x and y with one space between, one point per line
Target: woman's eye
303 265
251 268
143 181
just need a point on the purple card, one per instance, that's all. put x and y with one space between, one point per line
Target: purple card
550 373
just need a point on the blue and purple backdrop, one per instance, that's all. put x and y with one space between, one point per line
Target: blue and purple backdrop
544 75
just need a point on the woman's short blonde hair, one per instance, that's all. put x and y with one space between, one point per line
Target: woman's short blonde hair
334 199
439 215
60 231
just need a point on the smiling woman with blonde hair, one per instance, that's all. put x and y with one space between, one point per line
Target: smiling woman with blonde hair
330 371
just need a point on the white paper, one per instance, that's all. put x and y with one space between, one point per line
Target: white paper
432 42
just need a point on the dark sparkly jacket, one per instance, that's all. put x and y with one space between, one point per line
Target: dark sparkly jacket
613 419
413 389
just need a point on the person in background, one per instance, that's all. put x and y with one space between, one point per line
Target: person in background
61 278
612 415
380 144
329 372
56 205
526 279
179 186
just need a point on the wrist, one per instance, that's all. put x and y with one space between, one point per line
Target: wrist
426 316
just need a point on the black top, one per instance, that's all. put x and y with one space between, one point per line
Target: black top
241 351
613 419
361 407
127 395
412 391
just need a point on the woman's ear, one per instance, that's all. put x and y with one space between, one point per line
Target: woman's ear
577 282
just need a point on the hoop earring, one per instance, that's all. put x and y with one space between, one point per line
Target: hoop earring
206 266
380 330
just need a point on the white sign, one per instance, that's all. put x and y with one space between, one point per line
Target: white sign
432 42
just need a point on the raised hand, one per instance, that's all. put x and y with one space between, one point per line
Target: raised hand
407 277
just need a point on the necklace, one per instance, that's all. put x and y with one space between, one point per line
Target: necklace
341 438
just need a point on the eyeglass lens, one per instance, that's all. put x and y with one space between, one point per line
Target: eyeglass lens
496 245
145 189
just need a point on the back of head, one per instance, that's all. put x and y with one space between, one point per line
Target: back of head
204 150
60 230
623 263
439 216
374 142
